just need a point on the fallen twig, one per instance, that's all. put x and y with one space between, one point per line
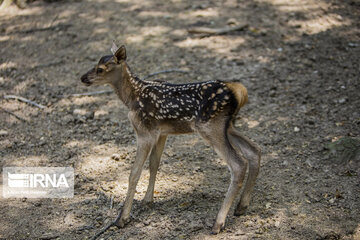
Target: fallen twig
59 26
91 93
24 100
98 234
50 64
165 71
48 236
13 114
111 201
216 31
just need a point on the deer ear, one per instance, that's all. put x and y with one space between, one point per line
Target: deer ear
114 48
120 54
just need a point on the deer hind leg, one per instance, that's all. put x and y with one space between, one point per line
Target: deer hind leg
154 158
144 145
253 154
216 134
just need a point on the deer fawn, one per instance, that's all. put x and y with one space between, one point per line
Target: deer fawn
157 109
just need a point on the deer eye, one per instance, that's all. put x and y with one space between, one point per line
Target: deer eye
99 70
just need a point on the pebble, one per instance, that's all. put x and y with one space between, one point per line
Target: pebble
232 21
342 100
115 156
100 113
6 143
147 222
353 45
272 93
122 156
79 112
239 232
277 224
296 129
3 132
68 119
195 226
139 225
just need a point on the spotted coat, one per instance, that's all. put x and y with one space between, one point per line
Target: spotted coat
185 102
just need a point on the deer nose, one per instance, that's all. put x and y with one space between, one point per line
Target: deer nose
85 79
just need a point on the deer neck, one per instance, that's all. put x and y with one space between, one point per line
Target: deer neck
127 87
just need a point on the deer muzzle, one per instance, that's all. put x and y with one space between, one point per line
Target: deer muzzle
85 79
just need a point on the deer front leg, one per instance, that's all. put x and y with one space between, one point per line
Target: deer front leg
144 145
154 158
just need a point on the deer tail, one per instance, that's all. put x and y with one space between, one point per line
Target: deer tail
240 93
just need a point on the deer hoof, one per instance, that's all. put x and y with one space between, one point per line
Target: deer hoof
240 211
217 228
121 222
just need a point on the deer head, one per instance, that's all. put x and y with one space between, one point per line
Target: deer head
109 68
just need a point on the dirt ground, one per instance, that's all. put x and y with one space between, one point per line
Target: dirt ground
299 60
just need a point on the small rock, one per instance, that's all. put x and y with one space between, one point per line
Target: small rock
272 93
78 111
232 21
252 124
6 143
267 205
285 163
116 157
68 119
277 224
353 45
332 200
49 236
309 163
342 100
3 132
239 232
139 225
195 226
89 115
147 222
208 223
296 129
100 113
